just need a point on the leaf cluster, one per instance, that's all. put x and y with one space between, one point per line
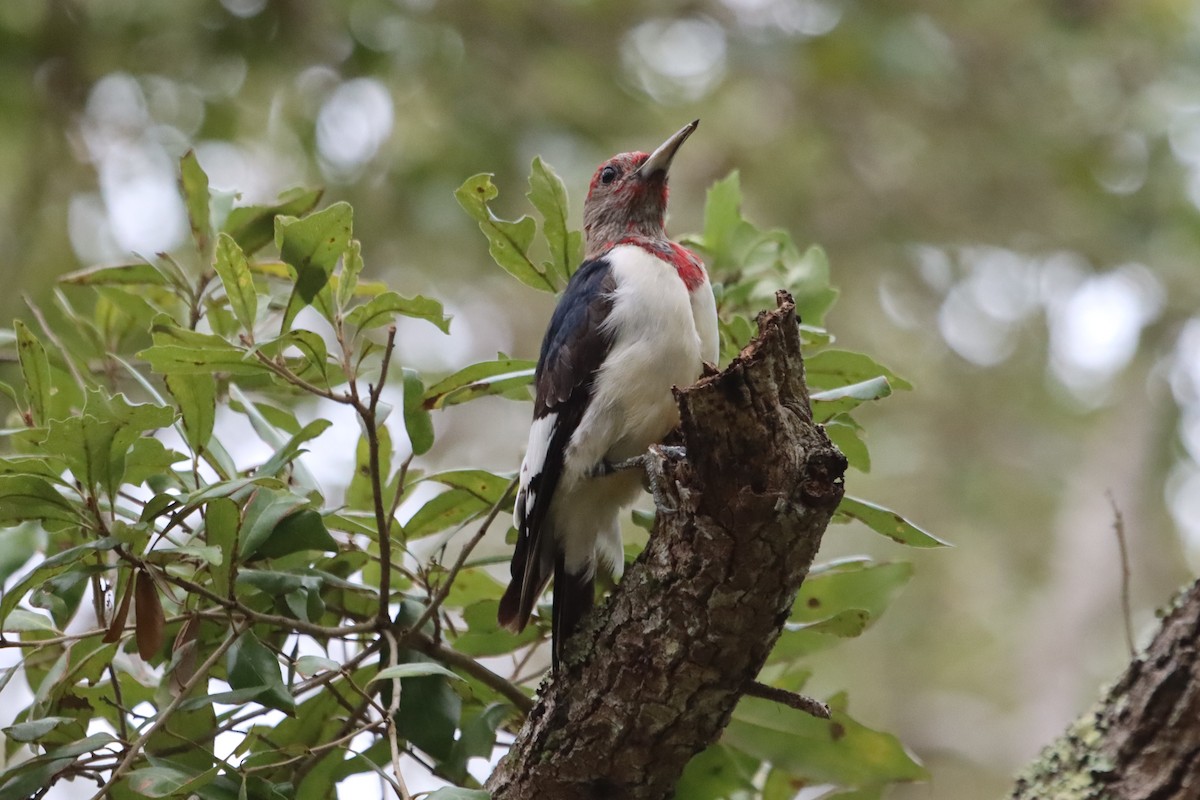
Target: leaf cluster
167 590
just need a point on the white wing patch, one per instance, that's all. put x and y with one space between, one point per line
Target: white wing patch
535 459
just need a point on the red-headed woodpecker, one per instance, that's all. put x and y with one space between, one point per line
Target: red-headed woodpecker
637 318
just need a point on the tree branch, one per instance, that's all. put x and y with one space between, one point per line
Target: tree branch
1142 740
652 678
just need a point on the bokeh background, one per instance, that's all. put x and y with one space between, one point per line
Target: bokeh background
1008 193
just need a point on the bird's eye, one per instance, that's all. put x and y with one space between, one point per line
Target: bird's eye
608 175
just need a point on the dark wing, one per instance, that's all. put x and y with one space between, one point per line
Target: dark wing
573 349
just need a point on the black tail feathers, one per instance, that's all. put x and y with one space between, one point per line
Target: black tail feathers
573 598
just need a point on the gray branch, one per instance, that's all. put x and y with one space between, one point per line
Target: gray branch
1142 741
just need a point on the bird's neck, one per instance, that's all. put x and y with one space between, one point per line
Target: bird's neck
604 234
687 264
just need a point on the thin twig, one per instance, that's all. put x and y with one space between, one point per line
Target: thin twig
468 665
300 383
296 625
122 726
1122 545
444 588
384 525
392 710
54 340
163 716
790 699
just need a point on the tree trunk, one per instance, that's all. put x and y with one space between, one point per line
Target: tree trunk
653 676
1142 742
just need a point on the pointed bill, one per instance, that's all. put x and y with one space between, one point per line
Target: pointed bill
660 160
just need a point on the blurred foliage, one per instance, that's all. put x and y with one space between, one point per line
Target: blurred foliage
1007 191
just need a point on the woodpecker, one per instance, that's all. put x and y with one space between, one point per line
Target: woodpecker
636 318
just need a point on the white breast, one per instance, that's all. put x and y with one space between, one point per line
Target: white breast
656 346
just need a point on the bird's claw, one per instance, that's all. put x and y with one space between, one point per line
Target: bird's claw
649 462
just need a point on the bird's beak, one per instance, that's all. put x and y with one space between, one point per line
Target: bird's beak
660 160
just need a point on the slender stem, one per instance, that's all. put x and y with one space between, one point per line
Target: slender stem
1126 608
444 588
163 716
470 666
122 726
297 381
382 522
297 625
390 715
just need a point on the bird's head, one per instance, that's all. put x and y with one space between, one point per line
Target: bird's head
628 195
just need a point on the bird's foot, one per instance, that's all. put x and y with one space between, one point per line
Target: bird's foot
649 462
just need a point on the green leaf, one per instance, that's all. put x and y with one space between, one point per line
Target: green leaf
854 583
234 270
193 724
450 508
311 246
360 493
253 227
141 273
95 444
722 221
303 530
382 310
352 266
808 278
508 241
477 739
196 394
29 777
194 183
48 569
485 637
33 730
313 359
149 460
487 487
548 195
35 368
833 369
504 376
222 521
261 516
885 521
29 497
417 421
472 585
165 781
291 449
21 620
311 665
717 773
412 670
837 750
178 350
847 434
250 665
429 710
832 402
458 793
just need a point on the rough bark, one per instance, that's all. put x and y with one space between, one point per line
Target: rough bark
1142 742
653 676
